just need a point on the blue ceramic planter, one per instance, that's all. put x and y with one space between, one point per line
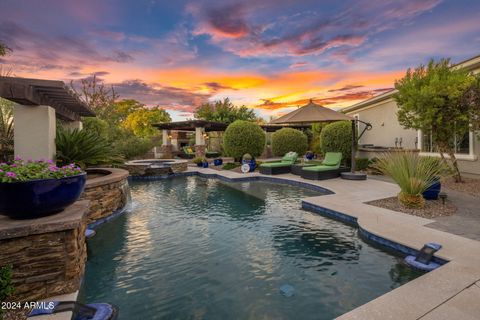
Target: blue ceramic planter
205 164
433 191
218 162
37 198
251 163
200 164
309 155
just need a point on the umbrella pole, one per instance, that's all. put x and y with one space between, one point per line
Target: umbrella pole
354 146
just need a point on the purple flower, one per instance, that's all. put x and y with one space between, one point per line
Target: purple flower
50 161
18 158
13 165
53 168
11 174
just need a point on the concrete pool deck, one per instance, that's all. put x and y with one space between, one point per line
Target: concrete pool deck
450 292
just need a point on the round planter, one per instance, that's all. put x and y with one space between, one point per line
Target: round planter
252 163
433 191
37 198
200 164
218 162
309 155
205 164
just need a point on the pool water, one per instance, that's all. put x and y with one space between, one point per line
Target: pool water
195 248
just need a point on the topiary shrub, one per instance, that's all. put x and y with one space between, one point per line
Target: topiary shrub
288 139
337 137
243 137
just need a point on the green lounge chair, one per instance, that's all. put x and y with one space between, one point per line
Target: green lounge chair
189 153
279 167
330 168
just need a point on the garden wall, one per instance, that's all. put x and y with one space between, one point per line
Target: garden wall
107 192
47 254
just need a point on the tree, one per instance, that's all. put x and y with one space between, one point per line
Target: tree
337 137
224 111
288 139
141 121
440 100
6 129
4 49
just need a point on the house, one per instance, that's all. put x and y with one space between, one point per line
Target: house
387 133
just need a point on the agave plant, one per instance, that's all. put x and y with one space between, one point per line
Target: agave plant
413 174
83 148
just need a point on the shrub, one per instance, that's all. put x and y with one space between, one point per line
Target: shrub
362 163
83 148
288 139
6 288
337 137
131 146
412 173
243 137
199 160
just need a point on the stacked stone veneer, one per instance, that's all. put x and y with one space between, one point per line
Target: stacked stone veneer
47 255
144 168
107 193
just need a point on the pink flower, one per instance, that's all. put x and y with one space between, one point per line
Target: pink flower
11 174
18 158
53 168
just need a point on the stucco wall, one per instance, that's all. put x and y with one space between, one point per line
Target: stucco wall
386 128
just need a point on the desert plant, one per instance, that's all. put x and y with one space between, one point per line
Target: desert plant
337 137
243 137
288 139
83 148
413 174
131 146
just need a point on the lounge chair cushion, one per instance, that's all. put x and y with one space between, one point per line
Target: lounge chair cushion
332 159
290 157
319 168
276 164
188 150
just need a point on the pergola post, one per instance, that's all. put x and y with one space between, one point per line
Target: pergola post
200 148
35 129
166 145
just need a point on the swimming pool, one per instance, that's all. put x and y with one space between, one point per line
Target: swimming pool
196 248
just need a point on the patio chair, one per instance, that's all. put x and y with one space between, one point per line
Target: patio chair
330 168
279 167
187 153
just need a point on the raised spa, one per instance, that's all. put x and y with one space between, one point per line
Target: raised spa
196 248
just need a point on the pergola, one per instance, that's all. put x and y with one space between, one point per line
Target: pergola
39 103
200 127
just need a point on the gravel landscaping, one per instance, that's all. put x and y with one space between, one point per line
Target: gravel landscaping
469 186
433 208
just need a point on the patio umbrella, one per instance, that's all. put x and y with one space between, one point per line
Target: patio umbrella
313 113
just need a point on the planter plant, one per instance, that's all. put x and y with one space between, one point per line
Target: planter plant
31 189
413 174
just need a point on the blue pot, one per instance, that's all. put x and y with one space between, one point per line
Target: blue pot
37 198
205 164
252 163
309 155
200 164
218 162
433 191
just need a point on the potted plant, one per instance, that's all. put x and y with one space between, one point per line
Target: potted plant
248 159
198 162
218 162
309 155
32 189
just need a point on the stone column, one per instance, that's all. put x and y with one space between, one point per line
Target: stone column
166 145
34 136
174 140
72 125
200 148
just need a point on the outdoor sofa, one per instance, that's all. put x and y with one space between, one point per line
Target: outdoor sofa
330 168
279 167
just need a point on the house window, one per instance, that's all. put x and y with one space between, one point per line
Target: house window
460 142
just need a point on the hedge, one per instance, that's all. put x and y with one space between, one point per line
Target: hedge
243 137
337 137
288 139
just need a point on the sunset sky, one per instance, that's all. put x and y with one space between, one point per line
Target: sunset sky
271 55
